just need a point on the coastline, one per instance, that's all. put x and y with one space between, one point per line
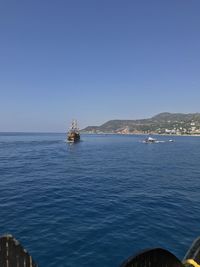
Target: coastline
101 133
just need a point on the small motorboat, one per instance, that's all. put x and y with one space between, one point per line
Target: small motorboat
150 140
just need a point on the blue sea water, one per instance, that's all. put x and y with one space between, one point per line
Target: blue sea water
96 202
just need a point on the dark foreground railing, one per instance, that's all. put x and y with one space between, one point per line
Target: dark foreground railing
153 258
12 254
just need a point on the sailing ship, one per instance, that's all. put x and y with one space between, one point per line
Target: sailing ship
73 134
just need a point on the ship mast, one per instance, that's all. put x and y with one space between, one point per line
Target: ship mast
74 126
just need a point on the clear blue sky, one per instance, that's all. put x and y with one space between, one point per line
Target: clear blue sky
96 60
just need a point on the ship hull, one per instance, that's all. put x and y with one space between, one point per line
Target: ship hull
73 137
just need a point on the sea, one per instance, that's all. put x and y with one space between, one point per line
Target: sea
96 202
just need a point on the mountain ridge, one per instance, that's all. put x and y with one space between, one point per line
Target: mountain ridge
165 122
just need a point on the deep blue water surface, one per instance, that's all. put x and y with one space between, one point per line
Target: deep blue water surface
96 202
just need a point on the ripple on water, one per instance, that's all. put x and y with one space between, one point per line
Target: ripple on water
97 202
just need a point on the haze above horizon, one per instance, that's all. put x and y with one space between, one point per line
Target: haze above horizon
96 61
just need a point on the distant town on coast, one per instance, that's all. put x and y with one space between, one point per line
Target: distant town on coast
163 123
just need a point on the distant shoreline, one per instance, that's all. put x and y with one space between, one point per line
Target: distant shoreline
164 123
196 135
125 134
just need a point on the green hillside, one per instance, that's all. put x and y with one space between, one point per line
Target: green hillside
171 123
